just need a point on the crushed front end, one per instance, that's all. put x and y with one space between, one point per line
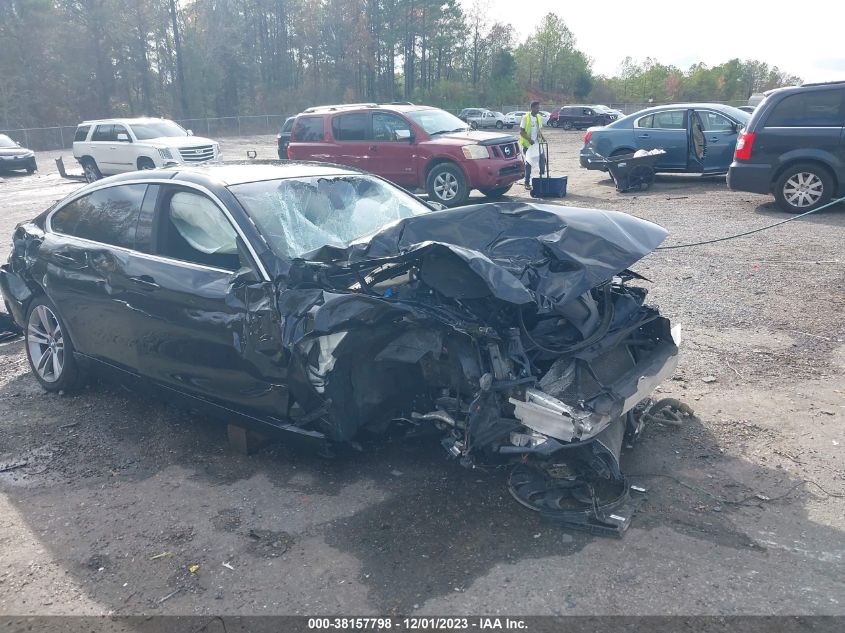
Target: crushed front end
517 332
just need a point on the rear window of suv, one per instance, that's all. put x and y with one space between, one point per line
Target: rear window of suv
817 108
81 133
309 128
350 127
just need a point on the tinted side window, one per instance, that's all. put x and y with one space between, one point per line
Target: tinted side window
81 133
819 108
646 121
103 133
288 126
350 127
308 129
108 215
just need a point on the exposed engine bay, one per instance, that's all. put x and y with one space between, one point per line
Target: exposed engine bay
513 330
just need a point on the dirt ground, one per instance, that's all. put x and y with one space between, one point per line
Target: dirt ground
120 495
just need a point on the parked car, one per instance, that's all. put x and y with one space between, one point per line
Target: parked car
319 303
283 137
466 113
417 147
514 118
697 137
794 147
578 117
14 157
544 116
616 114
114 146
487 118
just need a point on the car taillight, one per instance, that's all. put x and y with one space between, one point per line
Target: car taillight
587 136
743 146
290 153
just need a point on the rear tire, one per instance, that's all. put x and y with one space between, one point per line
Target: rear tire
49 349
567 125
803 187
496 193
90 169
446 184
499 125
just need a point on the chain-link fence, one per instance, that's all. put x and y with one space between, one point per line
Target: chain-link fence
61 137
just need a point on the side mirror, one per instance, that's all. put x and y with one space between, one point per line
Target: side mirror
404 135
190 132
123 137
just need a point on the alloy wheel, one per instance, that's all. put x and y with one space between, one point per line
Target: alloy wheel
45 343
445 186
803 189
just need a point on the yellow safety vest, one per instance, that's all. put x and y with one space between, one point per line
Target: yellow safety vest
526 123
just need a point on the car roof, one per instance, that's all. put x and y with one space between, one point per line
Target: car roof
238 173
354 107
130 120
801 88
721 107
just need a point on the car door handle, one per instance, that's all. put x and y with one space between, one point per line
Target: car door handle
145 281
644 136
70 261
714 139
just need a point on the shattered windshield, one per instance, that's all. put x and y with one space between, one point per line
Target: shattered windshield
435 121
298 215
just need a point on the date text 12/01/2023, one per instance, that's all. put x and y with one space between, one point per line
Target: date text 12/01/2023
418 624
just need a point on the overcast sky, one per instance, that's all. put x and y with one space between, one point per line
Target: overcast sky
802 38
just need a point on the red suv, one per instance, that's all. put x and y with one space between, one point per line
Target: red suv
416 147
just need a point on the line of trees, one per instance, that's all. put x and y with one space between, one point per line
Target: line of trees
65 60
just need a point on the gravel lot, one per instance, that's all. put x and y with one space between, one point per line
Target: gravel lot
121 495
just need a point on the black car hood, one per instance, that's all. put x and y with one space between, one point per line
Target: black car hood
523 253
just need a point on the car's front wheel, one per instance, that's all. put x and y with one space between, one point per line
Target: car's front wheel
446 184
474 125
496 193
90 169
49 348
567 125
803 187
499 125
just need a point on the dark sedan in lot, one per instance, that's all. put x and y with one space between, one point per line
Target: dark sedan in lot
14 157
697 137
324 302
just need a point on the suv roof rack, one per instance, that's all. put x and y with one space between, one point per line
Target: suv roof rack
821 83
340 106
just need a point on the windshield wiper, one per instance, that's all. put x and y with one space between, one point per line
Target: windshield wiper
459 129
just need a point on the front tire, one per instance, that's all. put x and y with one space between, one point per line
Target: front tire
90 169
474 125
49 348
803 187
496 193
446 184
567 125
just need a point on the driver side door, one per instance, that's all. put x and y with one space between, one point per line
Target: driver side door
393 152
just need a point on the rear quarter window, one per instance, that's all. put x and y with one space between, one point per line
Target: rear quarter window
819 108
308 129
350 127
81 133
109 216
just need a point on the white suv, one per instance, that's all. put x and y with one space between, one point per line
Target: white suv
114 146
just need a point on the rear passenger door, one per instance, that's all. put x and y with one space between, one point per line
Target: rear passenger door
666 130
351 133
88 249
102 141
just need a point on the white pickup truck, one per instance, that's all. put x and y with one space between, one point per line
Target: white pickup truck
114 146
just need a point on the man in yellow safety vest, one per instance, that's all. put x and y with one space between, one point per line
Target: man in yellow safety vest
530 132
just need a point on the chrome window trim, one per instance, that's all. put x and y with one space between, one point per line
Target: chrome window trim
48 224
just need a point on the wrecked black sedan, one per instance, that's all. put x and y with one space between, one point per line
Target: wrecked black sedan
326 303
